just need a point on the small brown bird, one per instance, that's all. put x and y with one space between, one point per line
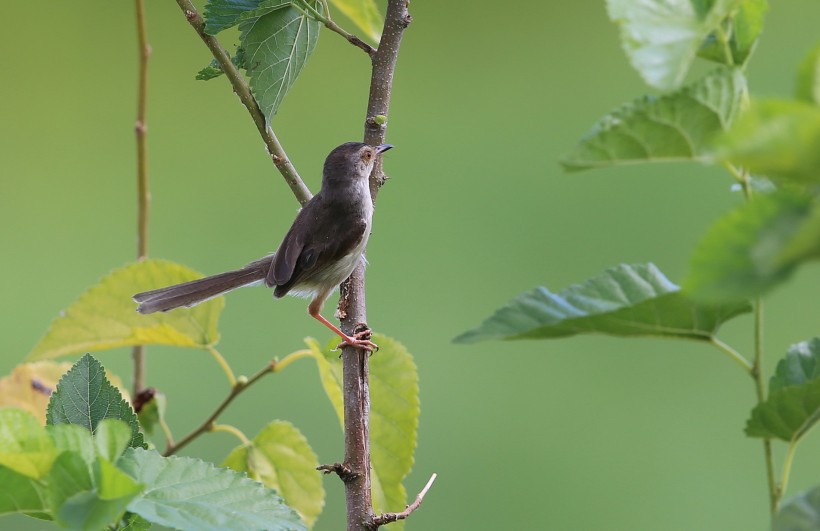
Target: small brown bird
322 248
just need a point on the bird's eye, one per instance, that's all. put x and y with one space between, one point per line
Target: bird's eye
367 155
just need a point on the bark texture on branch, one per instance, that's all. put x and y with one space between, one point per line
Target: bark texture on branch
356 390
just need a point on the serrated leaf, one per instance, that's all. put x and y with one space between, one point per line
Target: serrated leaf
394 414
83 496
800 365
626 300
787 414
84 396
676 127
799 513
105 317
277 45
662 37
281 458
111 438
25 447
776 138
808 77
754 247
190 494
19 493
741 29
365 14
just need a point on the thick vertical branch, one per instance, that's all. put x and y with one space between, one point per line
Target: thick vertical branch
143 194
355 362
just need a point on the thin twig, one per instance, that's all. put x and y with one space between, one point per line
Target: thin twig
312 12
355 361
233 430
387 518
732 353
242 89
143 196
208 424
340 469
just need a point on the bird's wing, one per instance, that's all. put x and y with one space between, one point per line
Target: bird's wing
284 262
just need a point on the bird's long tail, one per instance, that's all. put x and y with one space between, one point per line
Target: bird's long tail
196 291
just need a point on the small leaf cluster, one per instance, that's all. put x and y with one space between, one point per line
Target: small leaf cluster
277 37
769 147
89 468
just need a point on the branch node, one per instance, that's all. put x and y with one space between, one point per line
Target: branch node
190 15
344 472
388 518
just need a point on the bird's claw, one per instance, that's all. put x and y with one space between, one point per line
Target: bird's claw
360 339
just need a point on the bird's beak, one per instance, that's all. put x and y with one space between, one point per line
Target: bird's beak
382 148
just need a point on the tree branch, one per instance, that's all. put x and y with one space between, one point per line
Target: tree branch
242 89
355 361
143 194
240 385
387 518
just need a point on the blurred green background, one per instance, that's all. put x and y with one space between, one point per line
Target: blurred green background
583 433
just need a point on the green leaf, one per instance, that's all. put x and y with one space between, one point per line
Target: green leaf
777 138
800 365
19 493
84 396
134 522
111 438
25 447
676 127
277 45
365 14
105 317
281 458
787 414
799 513
223 14
662 37
808 77
74 438
88 497
394 414
190 494
741 29
754 247
215 70
627 300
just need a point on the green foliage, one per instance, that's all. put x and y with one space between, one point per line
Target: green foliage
192 495
799 513
393 416
280 458
85 397
787 414
104 316
365 14
754 247
662 37
627 300
24 447
777 138
800 365
276 39
677 126
808 77
736 36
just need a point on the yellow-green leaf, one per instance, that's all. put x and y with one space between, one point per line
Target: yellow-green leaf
25 447
105 317
280 458
364 14
394 414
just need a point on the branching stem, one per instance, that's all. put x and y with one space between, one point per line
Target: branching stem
312 12
242 89
356 372
208 424
392 517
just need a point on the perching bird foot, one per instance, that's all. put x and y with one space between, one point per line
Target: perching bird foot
360 339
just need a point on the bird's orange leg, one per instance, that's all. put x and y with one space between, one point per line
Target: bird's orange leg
354 341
